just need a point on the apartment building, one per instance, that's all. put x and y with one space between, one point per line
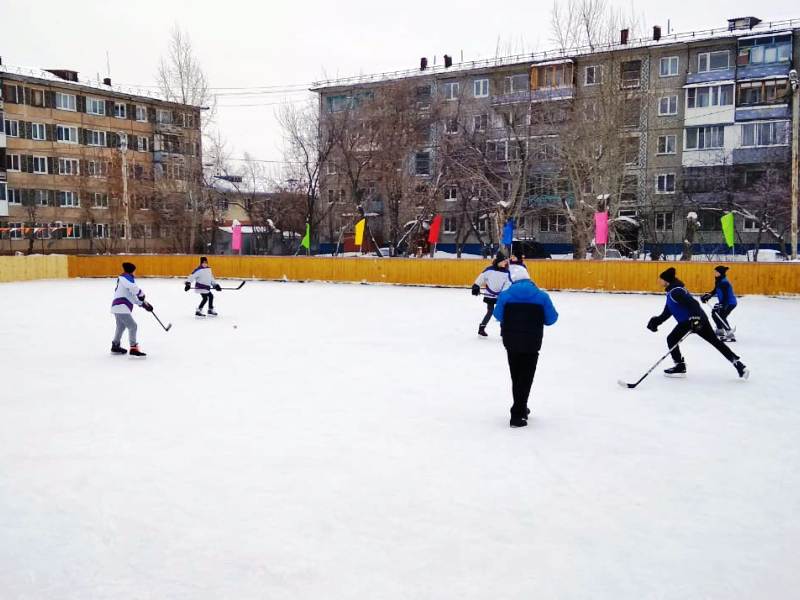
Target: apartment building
89 167
702 122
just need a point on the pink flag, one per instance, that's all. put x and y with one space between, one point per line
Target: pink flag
236 236
601 228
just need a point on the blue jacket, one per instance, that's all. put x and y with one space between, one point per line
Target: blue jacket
724 292
680 304
523 310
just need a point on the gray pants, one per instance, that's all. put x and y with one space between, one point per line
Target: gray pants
125 321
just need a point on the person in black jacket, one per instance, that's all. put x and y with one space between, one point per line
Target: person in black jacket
691 319
726 302
523 310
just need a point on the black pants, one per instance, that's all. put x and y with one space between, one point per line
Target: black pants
720 314
523 368
490 302
207 297
706 332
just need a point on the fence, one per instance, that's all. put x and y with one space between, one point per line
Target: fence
614 276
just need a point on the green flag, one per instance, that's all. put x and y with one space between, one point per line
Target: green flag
727 228
306 243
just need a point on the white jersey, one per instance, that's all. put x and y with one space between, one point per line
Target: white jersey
126 294
493 281
203 280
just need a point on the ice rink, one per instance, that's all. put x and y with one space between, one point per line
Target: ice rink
352 442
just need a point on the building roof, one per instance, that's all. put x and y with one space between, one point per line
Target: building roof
555 55
86 85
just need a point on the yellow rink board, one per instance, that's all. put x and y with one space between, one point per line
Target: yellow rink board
24 268
616 276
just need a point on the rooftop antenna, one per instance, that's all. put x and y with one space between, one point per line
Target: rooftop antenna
669 28
108 65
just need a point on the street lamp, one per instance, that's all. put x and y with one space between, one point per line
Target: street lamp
793 80
123 148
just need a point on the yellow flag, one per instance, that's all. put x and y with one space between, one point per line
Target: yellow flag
360 232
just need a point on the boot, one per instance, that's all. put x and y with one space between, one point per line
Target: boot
212 312
117 349
729 337
198 313
482 331
743 371
136 352
679 370
515 423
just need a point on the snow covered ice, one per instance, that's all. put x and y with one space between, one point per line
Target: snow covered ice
352 441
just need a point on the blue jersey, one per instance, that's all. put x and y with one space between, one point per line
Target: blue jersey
724 292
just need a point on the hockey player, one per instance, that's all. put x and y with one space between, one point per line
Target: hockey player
726 302
691 318
126 294
493 280
204 282
523 310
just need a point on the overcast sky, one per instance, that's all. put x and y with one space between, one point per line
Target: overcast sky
284 43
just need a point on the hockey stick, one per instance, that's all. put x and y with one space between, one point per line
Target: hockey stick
651 369
234 288
167 327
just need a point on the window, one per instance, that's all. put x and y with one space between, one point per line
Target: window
67 166
450 193
451 126
550 76
449 224
40 165
715 95
422 163
765 50
96 138
592 75
517 83
664 221
14 196
41 197
480 88
331 168
15 231
712 61
99 200
665 183
96 168
668 105
38 131
101 230
480 123
774 91
37 97
12 162
67 134
451 90
41 231
144 143
630 150
141 114
12 128
631 112
120 110
703 138
122 140
481 224
164 117
631 73
68 199
765 134
65 101
497 150
550 223
667 144
751 225
71 231
96 106
668 66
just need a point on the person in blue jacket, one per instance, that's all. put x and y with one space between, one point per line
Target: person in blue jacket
726 302
691 319
523 310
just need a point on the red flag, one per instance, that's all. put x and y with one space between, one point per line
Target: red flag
436 225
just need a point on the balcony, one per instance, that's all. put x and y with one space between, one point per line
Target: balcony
763 112
517 97
748 72
566 92
717 75
2 139
761 154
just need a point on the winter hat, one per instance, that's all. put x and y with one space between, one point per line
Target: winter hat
128 267
203 259
721 269
668 275
499 257
518 273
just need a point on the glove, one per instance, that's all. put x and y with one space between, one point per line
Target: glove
187 286
696 323
217 287
652 324
476 289
147 306
705 298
